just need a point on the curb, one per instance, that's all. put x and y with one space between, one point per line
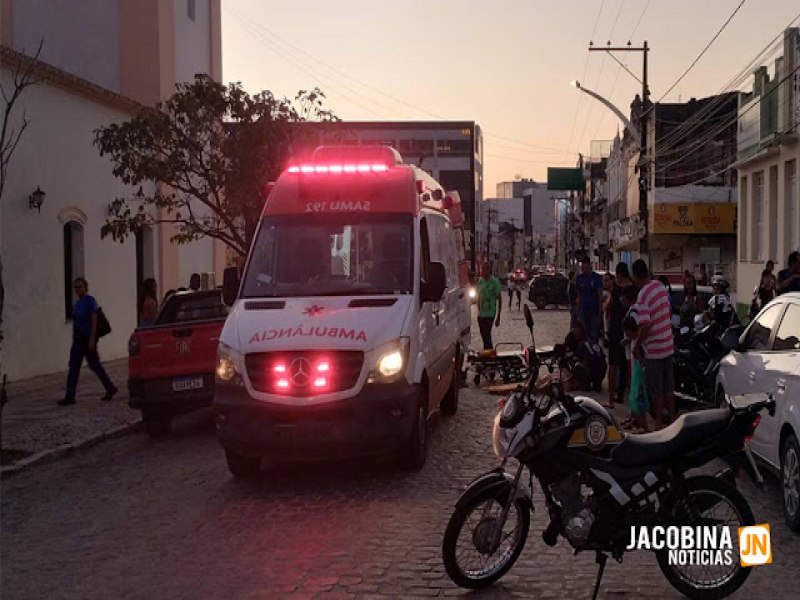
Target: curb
65 449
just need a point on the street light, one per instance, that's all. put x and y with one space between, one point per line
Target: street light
632 129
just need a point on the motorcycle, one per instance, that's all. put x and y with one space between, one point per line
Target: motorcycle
697 359
598 484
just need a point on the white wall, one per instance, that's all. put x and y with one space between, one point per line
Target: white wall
192 40
56 154
80 37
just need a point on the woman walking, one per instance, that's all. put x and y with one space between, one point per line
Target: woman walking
84 344
148 303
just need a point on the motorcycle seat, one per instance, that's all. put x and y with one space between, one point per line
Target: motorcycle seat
687 431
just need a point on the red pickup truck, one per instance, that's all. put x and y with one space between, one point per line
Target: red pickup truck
171 363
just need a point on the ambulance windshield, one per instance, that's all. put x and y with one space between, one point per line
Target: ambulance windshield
340 255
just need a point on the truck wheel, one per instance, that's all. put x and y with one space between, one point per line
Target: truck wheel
242 467
540 302
415 451
449 404
157 425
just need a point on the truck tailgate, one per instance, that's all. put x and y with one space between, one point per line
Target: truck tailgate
179 349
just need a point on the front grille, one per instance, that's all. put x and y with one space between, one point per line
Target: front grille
345 368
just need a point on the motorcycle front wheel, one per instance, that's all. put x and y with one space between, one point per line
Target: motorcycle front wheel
474 556
710 502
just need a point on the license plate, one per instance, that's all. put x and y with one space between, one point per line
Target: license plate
187 383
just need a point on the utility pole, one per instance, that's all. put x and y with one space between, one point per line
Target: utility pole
644 182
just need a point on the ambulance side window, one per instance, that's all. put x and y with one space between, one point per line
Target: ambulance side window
442 248
424 255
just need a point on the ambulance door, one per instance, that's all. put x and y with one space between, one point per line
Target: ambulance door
442 249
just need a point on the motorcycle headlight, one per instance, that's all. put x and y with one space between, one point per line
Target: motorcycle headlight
392 361
473 293
228 370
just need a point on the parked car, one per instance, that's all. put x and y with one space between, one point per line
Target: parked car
705 292
171 363
767 360
549 289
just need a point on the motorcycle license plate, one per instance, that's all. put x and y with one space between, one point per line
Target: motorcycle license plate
183 384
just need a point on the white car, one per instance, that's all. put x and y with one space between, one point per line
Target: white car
768 360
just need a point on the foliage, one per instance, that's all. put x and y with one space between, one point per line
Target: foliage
210 151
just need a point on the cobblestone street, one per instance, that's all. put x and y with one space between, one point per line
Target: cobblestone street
138 518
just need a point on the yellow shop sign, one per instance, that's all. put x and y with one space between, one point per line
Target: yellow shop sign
693 218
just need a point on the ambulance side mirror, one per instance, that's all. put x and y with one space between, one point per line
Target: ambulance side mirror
230 285
433 289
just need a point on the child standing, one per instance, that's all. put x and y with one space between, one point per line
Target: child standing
637 398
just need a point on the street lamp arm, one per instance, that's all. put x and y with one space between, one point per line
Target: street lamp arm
632 129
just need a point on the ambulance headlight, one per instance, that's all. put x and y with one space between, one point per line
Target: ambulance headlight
392 359
227 370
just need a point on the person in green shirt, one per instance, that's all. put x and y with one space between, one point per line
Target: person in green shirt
489 304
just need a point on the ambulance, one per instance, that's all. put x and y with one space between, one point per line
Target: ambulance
350 323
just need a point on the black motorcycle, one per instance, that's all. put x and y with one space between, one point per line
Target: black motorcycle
697 359
598 484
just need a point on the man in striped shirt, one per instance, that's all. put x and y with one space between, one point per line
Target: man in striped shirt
655 342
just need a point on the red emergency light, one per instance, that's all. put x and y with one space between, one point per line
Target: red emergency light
337 169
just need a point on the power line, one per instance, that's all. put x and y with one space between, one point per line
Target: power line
699 56
619 69
585 69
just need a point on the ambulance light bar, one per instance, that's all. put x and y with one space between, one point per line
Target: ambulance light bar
337 169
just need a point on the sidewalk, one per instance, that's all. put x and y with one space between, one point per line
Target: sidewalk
35 428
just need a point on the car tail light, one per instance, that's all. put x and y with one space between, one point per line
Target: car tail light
753 426
134 345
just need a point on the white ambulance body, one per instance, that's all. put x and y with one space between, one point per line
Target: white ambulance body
351 319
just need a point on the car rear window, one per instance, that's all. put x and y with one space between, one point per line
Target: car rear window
181 309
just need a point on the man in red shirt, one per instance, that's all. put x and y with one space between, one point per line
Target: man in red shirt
654 342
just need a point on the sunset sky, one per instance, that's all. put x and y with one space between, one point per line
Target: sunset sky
505 64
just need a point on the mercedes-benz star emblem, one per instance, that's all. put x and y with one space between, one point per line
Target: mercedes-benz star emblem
300 371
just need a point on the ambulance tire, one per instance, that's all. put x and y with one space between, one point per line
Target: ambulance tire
415 451
242 467
449 404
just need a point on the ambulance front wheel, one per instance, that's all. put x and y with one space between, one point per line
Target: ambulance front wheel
415 450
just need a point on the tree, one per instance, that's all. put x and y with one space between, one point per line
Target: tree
210 150
22 77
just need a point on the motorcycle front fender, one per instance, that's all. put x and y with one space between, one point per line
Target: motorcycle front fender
494 479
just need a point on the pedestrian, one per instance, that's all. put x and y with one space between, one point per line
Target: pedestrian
194 282
572 298
764 293
84 344
490 304
617 372
605 308
590 298
665 282
692 304
510 286
702 278
789 278
637 398
720 310
148 303
654 342
589 367
518 291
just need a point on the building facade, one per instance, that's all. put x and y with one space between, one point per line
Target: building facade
769 168
691 195
101 61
